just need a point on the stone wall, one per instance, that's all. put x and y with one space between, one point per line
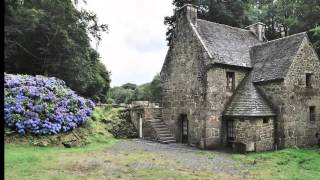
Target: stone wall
217 96
275 93
254 130
148 112
183 81
192 89
134 117
291 99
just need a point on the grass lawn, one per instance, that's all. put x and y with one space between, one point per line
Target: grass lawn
26 161
92 162
23 161
284 164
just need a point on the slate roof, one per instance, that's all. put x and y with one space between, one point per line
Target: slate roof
272 60
229 45
239 47
248 102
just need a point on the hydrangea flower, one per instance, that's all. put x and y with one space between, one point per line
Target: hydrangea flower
42 105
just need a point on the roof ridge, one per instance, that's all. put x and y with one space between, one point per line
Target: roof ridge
279 39
231 27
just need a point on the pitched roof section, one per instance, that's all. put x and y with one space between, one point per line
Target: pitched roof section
271 60
247 102
229 45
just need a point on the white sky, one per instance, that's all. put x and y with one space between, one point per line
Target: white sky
135 47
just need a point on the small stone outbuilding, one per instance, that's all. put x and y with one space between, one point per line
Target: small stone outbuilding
224 85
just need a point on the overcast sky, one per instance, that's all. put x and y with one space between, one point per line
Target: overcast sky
135 47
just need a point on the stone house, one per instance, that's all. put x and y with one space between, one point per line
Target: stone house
224 85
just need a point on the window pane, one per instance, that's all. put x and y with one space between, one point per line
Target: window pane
230 81
312 113
308 79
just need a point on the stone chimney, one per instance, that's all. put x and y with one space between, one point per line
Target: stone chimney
258 29
187 12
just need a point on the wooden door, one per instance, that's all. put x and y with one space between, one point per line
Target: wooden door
184 129
230 132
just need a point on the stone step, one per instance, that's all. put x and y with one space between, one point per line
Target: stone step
159 126
167 141
157 123
163 131
164 135
156 120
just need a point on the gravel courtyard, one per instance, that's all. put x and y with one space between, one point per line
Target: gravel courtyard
144 157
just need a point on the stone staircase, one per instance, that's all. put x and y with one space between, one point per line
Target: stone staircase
161 129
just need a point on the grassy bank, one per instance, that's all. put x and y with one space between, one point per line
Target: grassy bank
32 162
24 160
288 164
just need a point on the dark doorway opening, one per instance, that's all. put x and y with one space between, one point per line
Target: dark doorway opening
184 125
230 132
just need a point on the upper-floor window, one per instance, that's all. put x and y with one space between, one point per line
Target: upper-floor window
230 81
308 80
312 113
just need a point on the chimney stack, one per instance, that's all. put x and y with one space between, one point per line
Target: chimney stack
188 11
258 29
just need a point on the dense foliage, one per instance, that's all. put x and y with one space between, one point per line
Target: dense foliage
41 105
282 17
52 38
132 92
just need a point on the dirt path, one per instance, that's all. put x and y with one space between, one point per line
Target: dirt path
142 155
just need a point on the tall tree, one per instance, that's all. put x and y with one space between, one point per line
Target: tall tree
282 17
51 37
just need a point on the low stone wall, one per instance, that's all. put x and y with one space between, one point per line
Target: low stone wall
147 111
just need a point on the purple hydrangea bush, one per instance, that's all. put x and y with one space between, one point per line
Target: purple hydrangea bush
40 105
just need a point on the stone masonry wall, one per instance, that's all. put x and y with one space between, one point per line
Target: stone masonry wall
292 99
148 113
275 93
217 97
182 81
134 117
249 130
299 130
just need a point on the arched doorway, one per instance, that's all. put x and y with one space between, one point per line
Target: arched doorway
184 128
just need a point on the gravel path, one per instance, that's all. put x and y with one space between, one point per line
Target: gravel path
190 157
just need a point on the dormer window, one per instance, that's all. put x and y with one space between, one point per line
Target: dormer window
308 80
230 81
